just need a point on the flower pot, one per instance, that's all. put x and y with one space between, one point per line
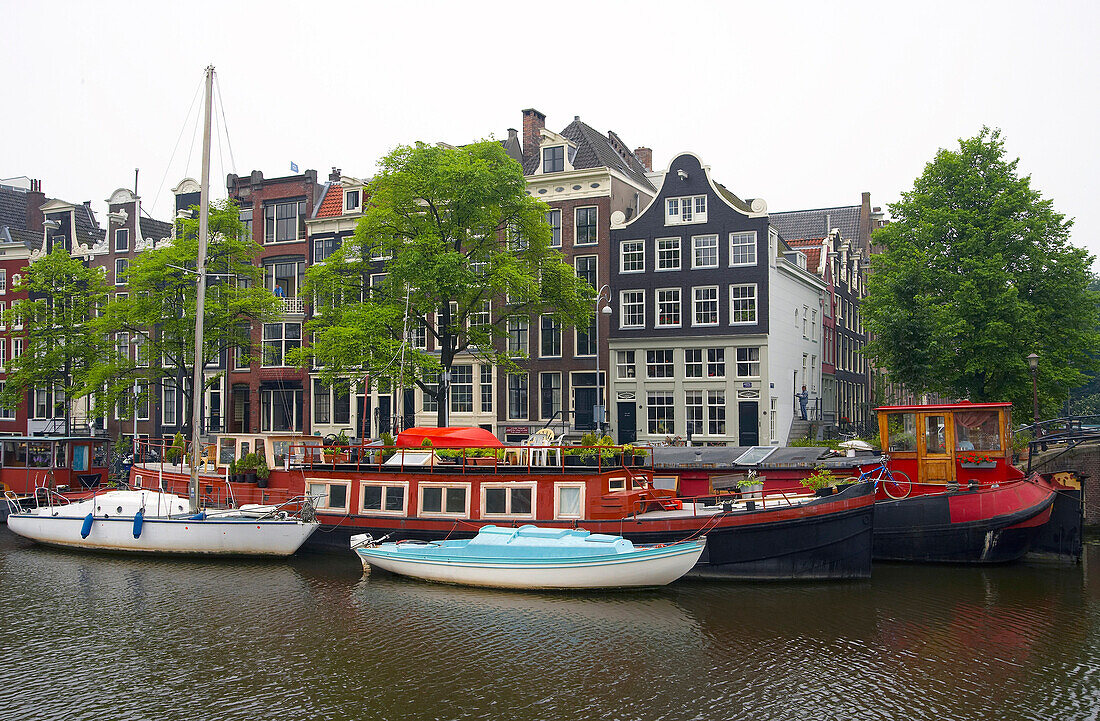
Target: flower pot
754 491
261 482
983 464
826 491
249 478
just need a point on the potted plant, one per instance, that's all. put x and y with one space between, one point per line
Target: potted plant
820 481
231 472
634 456
591 448
262 472
387 446
174 454
246 467
751 486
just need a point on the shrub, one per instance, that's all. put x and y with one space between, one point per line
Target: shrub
820 478
175 451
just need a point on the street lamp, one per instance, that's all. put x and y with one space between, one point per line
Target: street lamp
1033 363
601 307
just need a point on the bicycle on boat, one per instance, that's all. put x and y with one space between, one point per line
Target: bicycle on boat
896 484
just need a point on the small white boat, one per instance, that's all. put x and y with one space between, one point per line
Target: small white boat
160 523
530 557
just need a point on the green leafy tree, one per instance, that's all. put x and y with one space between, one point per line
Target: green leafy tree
451 235
158 314
61 347
977 273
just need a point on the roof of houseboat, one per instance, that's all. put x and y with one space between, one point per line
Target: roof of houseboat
960 406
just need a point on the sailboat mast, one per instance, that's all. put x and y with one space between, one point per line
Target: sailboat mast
197 385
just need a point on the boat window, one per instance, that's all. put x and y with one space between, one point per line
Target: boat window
244 449
509 500
100 459
281 449
260 449
755 455
450 500
933 435
80 457
977 431
226 448
38 455
665 482
616 484
15 454
569 501
901 428
383 498
59 460
329 495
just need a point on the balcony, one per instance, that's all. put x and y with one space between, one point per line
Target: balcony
293 306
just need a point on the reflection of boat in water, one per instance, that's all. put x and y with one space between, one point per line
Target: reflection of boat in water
530 557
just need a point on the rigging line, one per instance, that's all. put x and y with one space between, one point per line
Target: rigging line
172 157
225 128
194 134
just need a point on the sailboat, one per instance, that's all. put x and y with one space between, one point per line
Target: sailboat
146 521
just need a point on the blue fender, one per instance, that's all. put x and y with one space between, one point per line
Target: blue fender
86 528
139 519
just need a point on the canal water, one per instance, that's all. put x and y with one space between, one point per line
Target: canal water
97 637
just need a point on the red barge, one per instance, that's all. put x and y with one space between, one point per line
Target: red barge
431 493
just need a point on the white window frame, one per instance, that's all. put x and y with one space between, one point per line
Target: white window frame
694 412
532 486
329 483
716 413
595 226
626 370
667 362
550 218
696 301
652 422
358 194
737 362
442 513
384 484
637 256
689 362
743 241
658 301
124 235
755 304
125 266
557 500
658 265
555 329
696 247
694 215
623 303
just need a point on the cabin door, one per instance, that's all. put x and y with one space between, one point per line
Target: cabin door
748 423
627 422
934 448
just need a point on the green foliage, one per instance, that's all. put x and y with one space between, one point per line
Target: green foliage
63 349
159 312
262 471
233 467
387 445
820 478
458 230
497 453
977 273
593 444
341 439
249 463
175 452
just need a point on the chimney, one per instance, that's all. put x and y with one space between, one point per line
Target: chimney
35 200
645 157
334 176
533 123
513 134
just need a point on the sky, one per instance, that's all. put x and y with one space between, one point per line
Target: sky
805 105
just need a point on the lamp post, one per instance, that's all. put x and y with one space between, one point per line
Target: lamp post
1033 363
601 308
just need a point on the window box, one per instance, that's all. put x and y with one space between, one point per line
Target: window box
982 464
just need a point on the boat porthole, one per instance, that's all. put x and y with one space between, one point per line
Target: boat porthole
119 510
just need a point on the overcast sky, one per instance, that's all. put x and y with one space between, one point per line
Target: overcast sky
803 104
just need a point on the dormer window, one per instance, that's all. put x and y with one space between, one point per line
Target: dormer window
351 201
553 159
688 209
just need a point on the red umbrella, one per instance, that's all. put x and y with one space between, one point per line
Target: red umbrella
448 438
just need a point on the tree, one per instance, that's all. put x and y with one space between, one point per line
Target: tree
158 314
463 249
62 348
977 273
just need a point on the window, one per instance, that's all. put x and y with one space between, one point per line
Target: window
668 254
462 389
122 239
418 334
246 222
668 307
553 159
585 226
553 217
285 221
429 401
624 364
280 339
120 270
16 348
586 268
324 247
508 500
549 395
518 336
705 305
748 362
693 406
517 395
486 389
632 309
805 321
662 414
693 362
743 248
168 400
585 341
443 499
632 256
813 325
280 409
384 497
716 362
550 337
6 413
351 200
568 500
482 317
3 281
716 413
704 251
742 304
329 495
3 352
284 279
322 403
688 209
658 363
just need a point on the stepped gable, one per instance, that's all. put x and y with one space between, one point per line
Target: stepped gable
797 224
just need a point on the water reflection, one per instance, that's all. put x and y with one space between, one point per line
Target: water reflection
136 638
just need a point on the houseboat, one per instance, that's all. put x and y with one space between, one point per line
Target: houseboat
458 485
63 464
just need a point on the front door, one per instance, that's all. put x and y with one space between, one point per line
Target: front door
408 412
748 423
385 409
584 400
934 448
627 420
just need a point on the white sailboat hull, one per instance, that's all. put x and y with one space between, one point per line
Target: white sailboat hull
213 537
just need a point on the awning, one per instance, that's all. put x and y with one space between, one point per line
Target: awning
448 438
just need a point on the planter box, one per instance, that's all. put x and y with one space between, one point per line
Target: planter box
755 491
987 464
